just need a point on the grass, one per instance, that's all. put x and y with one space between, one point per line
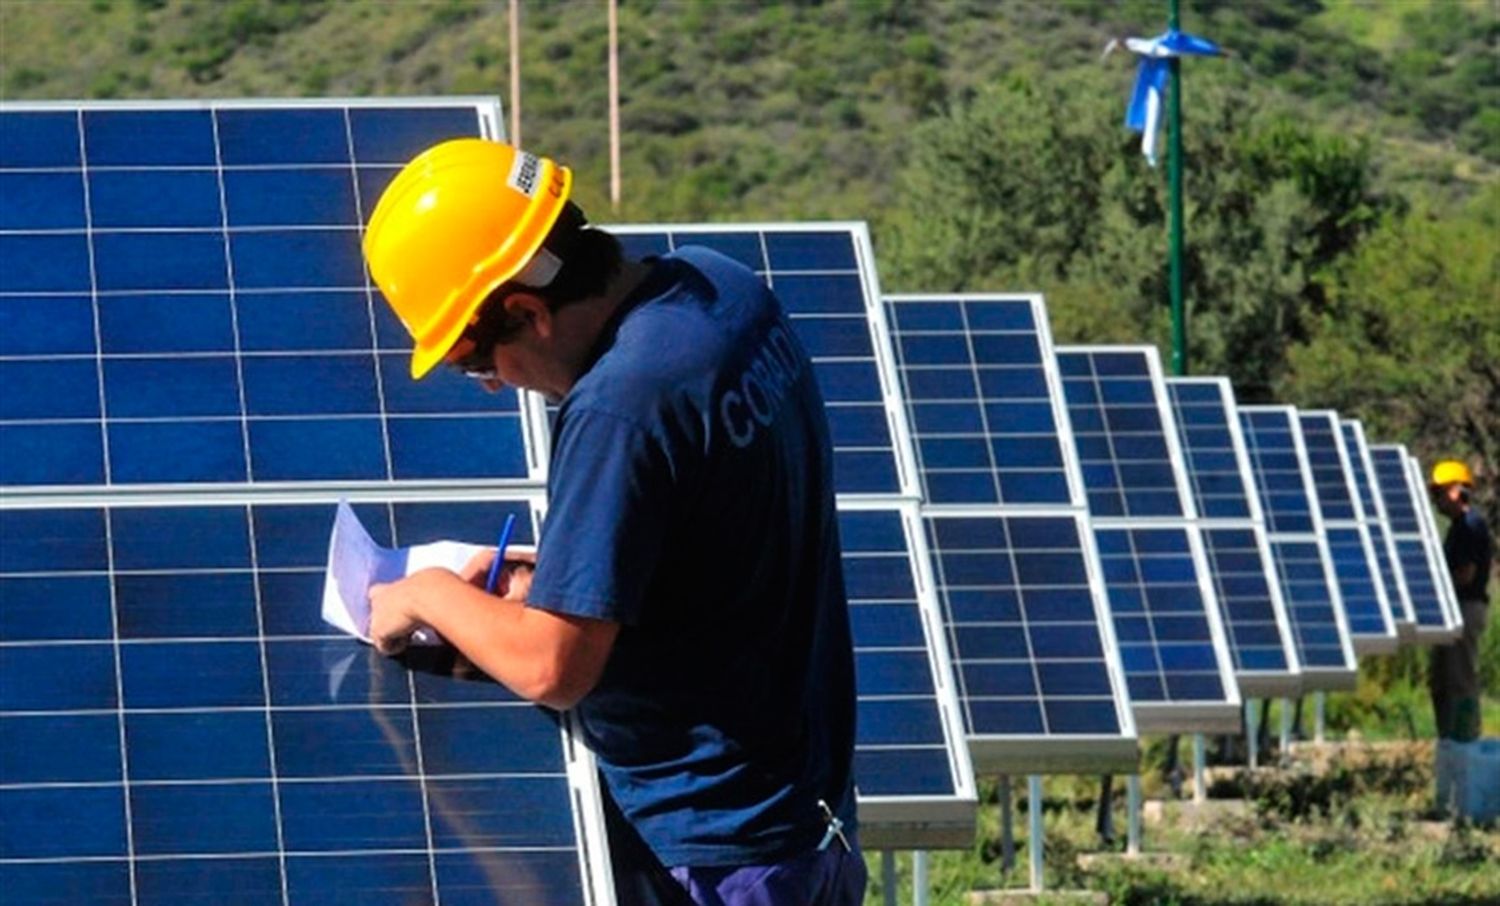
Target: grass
1371 847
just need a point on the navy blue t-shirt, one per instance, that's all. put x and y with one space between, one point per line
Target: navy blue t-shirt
691 501
1469 541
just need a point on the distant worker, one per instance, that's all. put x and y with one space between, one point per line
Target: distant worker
1469 549
688 597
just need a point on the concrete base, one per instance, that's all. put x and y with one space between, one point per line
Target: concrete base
1169 862
1030 898
1190 815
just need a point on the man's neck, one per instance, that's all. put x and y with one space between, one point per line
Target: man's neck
582 324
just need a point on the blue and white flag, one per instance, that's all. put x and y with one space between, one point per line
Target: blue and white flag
1144 113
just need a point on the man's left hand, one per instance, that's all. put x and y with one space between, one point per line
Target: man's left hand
396 607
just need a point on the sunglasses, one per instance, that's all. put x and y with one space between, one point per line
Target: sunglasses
474 353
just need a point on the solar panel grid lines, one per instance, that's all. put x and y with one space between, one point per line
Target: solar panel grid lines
242 745
1420 571
171 278
1435 553
1120 419
1034 652
1233 530
1367 611
824 274
1299 548
1162 601
1035 660
1373 508
984 399
913 773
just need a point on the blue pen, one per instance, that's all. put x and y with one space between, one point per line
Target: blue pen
494 577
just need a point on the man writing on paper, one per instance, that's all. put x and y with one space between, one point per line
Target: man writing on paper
688 596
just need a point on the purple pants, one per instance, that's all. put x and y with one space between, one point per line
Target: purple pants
832 877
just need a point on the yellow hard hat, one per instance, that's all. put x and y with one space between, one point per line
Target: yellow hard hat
1450 471
462 218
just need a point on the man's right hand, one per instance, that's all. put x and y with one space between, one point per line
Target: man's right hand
515 575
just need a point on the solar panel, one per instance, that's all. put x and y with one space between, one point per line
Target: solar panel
1366 609
1373 513
1283 480
183 301
1035 658
981 391
1163 605
1435 553
824 275
1037 669
911 769
1418 568
1234 537
176 722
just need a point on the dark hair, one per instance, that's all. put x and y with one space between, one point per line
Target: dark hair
590 257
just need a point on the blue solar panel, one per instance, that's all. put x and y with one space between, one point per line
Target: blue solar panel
1119 426
1035 666
1251 608
980 389
1373 514
1413 559
1298 549
1167 643
1280 471
177 722
911 768
1366 610
1166 618
824 275
1216 469
1332 482
182 301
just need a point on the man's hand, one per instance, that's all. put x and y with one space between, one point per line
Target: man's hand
515 574
396 608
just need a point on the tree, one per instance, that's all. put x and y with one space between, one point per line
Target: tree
1411 340
1034 185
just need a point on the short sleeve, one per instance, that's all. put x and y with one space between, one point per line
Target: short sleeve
606 515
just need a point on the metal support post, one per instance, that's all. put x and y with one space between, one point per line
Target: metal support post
919 883
1252 734
1200 770
1286 728
1320 702
1034 820
1133 814
888 876
1007 826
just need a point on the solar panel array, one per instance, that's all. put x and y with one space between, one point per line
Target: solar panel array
181 278
1234 537
1415 558
1013 559
1366 608
1299 549
154 749
1162 602
912 767
196 369
1372 512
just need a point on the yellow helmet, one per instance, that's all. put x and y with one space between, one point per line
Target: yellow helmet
1450 471
462 218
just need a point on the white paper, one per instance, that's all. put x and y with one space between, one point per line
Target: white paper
355 562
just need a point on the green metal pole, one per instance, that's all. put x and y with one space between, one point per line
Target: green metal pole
1174 183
